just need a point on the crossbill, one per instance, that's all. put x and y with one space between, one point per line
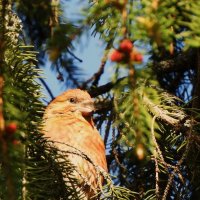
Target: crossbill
68 123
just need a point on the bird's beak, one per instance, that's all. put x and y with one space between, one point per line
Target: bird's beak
87 108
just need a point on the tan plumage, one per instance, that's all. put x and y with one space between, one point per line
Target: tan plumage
68 120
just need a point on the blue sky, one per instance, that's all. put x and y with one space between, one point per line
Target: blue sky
90 51
88 48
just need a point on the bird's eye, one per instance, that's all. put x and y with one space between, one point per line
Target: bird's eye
72 100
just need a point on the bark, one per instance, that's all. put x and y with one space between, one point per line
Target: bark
182 62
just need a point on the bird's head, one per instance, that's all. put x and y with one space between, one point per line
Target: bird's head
72 101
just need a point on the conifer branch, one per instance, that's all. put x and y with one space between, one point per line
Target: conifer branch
182 62
4 154
162 113
156 174
159 152
94 92
173 173
166 165
179 163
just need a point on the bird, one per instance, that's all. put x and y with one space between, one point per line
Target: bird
68 122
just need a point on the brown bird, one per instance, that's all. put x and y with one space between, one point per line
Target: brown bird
68 122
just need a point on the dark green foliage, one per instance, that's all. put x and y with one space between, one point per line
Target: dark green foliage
49 174
38 30
144 114
152 136
30 169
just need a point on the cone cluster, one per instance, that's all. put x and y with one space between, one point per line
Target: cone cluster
126 53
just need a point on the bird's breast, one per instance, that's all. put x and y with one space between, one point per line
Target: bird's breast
78 133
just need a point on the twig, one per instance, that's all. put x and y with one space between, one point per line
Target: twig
94 92
116 154
108 125
45 85
176 169
155 142
157 175
47 88
71 74
160 113
96 76
73 55
100 71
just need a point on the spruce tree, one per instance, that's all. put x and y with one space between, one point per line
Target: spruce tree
148 113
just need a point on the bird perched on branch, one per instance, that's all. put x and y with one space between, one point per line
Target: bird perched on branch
68 122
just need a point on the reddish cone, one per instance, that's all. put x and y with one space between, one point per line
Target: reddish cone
136 57
126 46
116 56
11 128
